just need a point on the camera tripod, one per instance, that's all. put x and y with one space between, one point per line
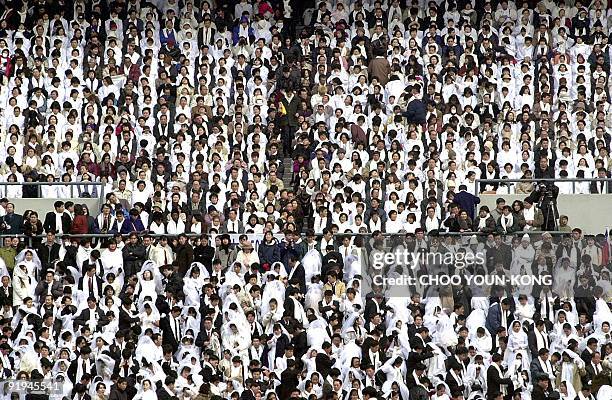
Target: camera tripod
548 206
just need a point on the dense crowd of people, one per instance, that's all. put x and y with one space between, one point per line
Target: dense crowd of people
254 158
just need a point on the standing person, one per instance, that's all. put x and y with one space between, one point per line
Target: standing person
133 255
466 201
379 66
48 251
80 224
58 220
184 253
33 228
11 223
171 327
496 383
133 223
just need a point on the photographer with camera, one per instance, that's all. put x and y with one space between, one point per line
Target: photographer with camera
544 196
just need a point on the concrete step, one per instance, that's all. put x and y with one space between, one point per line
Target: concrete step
288 173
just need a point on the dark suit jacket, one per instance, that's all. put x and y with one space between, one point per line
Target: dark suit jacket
586 356
494 381
490 225
47 255
539 393
73 368
453 384
13 223
50 222
535 368
300 276
494 318
247 395
42 289
370 308
412 383
533 343
200 209
289 378
467 202
4 298
167 335
414 358
595 187
324 364
515 227
158 131
126 320
84 286
162 394
323 309
207 372
133 370
503 254
211 37
82 319
203 336
239 227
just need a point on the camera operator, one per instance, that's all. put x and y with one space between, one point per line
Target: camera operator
545 197
543 170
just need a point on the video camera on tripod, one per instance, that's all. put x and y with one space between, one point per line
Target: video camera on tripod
545 196
548 193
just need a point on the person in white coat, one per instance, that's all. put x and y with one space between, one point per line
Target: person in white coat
23 284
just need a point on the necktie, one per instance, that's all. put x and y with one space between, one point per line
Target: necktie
91 285
125 369
105 225
84 366
165 257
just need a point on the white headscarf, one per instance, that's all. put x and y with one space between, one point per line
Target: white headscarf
605 392
571 392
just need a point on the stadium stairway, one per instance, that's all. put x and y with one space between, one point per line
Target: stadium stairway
288 172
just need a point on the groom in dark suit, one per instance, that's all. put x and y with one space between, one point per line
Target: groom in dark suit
53 218
496 383
498 312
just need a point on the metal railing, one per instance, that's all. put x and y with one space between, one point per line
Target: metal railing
389 238
100 195
511 182
71 184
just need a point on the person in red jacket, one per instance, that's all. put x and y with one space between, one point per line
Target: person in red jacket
80 224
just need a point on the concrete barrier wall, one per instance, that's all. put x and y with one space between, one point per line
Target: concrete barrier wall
590 212
43 206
